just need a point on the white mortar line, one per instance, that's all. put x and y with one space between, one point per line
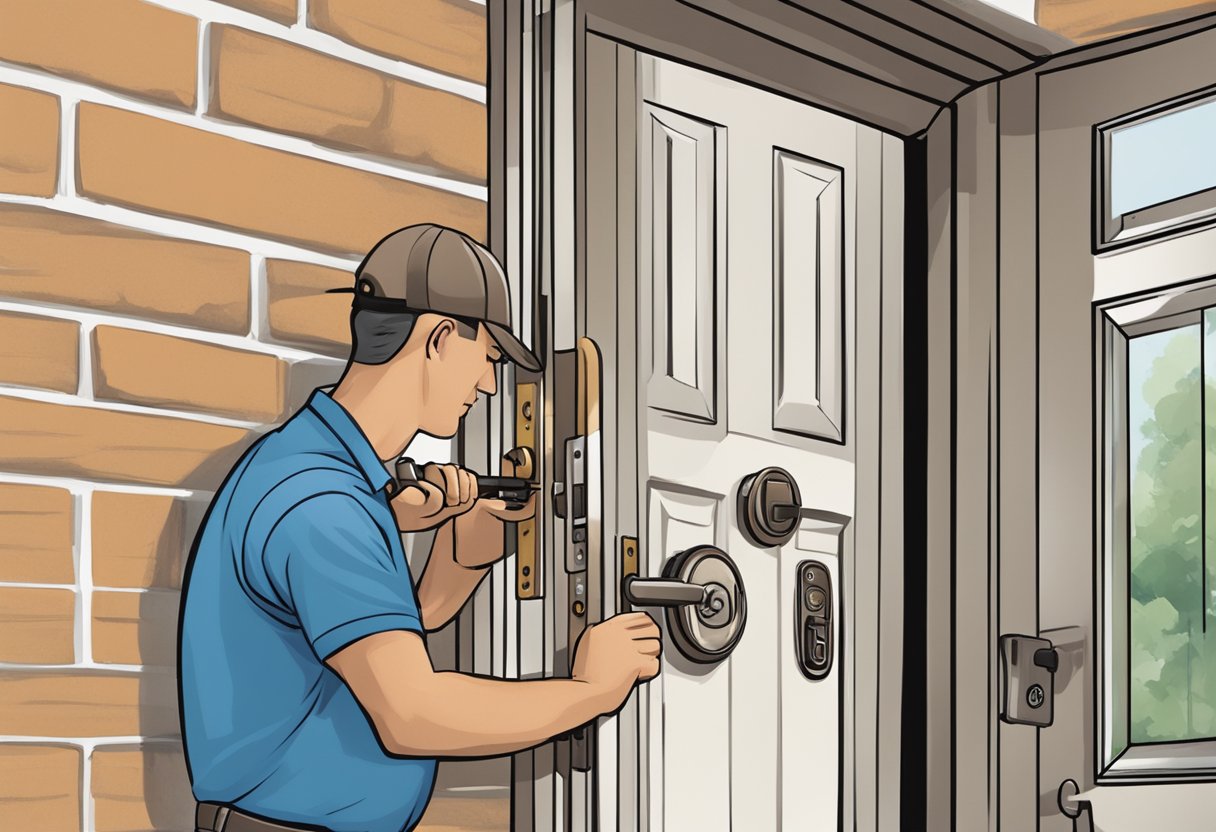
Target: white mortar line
36 585
299 34
90 742
84 386
202 92
260 137
182 229
67 145
89 319
88 814
71 400
82 665
136 590
258 306
302 15
84 574
77 486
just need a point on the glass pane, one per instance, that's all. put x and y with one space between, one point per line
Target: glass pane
1170 657
1162 159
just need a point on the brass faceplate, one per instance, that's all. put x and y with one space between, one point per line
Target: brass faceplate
527 576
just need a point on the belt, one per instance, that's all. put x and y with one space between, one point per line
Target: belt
216 817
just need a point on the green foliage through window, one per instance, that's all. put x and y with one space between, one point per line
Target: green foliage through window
1173 524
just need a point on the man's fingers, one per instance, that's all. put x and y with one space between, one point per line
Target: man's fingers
500 509
636 620
444 476
649 646
462 485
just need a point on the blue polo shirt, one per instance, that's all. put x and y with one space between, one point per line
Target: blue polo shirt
299 556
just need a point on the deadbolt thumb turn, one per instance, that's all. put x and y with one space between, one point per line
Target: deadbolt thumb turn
706 606
769 506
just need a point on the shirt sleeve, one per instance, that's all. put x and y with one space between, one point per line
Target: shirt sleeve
330 560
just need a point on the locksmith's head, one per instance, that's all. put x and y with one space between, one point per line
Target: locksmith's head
430 321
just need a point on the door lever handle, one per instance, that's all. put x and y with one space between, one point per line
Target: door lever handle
662 592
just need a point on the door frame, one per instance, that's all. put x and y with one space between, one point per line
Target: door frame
902 67
1053 282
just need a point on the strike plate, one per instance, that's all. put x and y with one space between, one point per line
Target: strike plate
527 575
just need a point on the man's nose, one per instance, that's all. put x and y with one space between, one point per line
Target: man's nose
488 383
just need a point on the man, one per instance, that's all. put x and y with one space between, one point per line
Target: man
308 700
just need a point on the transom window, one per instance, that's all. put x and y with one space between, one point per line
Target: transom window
1156 172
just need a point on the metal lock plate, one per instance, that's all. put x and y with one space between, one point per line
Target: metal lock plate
813 620
707 632
1028 669
769 505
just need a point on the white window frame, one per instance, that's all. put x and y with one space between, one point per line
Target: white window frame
1165 219
1120 761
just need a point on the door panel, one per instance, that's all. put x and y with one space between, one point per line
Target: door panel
746 273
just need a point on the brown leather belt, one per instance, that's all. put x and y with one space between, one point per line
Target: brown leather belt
216 817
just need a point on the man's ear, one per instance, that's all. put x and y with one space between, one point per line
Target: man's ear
436 341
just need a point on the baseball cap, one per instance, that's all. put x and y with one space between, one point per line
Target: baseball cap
432 268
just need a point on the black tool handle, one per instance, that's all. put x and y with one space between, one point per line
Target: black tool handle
511 489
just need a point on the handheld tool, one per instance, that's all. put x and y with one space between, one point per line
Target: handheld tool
511 489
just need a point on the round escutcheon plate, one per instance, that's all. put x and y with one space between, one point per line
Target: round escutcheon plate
707 633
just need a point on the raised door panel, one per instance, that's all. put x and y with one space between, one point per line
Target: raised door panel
808 294
683 190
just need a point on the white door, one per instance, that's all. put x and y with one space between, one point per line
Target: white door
748 249
1127 436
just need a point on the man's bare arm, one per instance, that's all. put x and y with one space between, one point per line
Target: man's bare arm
417 711
445 585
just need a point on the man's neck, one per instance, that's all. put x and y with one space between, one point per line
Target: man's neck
385 417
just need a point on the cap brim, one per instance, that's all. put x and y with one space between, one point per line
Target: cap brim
513 347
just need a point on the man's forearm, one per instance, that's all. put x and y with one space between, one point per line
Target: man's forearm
445 585
459 715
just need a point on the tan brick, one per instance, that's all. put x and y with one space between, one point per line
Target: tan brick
135 627
139 540
36 534
60 258
36 625
284 11
141 788
29 140
300 312
39 787
161 370
39 352
268 82
88 703
139 160
126 45
447 35
60 440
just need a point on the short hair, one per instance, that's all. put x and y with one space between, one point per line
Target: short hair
377 336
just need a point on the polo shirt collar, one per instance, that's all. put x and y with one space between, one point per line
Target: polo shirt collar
335 417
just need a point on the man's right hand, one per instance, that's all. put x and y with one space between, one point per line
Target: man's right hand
443 492
616 654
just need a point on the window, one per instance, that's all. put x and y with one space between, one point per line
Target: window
1156 171
1158 602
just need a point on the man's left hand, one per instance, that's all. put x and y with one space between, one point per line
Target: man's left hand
479 532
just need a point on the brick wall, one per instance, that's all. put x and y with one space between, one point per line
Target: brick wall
180 180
